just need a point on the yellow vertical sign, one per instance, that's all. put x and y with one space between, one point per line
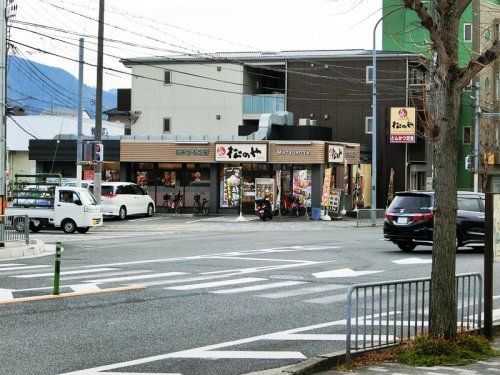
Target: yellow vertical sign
403 125
326 187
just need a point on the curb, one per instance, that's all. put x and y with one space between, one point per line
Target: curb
325 362
34 248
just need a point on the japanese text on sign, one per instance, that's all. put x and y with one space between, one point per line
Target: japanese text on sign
241 152
402 125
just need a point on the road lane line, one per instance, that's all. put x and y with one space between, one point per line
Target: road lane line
22 268
259 287
215 284
50 274
138 277
82 288
6 294
240 354
119 273
302 291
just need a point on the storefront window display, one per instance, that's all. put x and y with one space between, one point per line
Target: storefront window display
196 180
302 186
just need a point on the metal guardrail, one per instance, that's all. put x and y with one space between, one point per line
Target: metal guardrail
364 217
383 314
14 228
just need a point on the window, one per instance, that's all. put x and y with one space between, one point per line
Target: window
368 125
369 74
468 204
166 125
167 77
487 85
467 135
467 32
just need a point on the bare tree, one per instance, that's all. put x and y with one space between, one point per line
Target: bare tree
449 80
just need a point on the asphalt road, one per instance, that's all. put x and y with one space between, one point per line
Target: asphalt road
216 297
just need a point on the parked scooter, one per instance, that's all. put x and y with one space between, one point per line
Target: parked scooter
264 209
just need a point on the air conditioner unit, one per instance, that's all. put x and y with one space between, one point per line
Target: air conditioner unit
304 121
313 122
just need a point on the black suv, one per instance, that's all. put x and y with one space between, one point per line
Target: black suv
409 219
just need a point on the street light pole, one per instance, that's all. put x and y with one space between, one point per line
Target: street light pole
98 101
477 113
80 119
374 119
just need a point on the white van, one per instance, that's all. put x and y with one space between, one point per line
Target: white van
73 209
122 199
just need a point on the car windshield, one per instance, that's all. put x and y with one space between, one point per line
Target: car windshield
87 197
411 204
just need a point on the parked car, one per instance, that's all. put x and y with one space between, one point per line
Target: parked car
122 199
410 217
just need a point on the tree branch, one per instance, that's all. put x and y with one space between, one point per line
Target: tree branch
427 22
487 57
459 7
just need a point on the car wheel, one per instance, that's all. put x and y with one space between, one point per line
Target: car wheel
150 210
83 230
34 227
406 246
122 214
19 225
68 226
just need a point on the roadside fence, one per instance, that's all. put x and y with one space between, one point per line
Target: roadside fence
364 217
383 314
14 228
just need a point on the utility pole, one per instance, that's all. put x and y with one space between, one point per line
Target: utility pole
98 101
80 118
477 113
3 106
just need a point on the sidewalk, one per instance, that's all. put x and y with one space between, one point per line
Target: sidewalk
489 366
19 249
307 367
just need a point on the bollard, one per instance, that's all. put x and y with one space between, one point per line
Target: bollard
57 268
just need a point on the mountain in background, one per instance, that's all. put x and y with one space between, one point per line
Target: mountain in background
38 87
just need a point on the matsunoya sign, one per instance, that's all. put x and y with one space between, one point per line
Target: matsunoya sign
241 152
403 125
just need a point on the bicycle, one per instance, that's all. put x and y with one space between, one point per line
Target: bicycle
172 202
200 207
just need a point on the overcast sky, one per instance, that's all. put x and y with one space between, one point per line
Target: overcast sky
190 26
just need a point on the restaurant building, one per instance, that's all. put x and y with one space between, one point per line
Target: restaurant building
274 168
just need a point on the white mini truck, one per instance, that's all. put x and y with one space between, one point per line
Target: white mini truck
73 209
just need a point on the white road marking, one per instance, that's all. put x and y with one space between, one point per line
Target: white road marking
314 337
6 294
215 284
11 264
343 272
82 288
259 259
328 300
181 354
137 277
259 287
412 261
240 354
119 273
302 291
22 268
50 274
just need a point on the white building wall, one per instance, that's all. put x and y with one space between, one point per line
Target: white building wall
193 111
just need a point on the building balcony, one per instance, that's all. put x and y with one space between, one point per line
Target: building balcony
255 105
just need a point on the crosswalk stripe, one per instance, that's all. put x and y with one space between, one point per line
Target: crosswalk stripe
302 291
22 268
5 294
50 274
137 277
215 284
327 300
83 288
11 264
119 273
259 287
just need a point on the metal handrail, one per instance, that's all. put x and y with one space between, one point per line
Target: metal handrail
407 301
14 228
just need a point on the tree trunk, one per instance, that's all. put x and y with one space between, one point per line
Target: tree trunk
443 304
